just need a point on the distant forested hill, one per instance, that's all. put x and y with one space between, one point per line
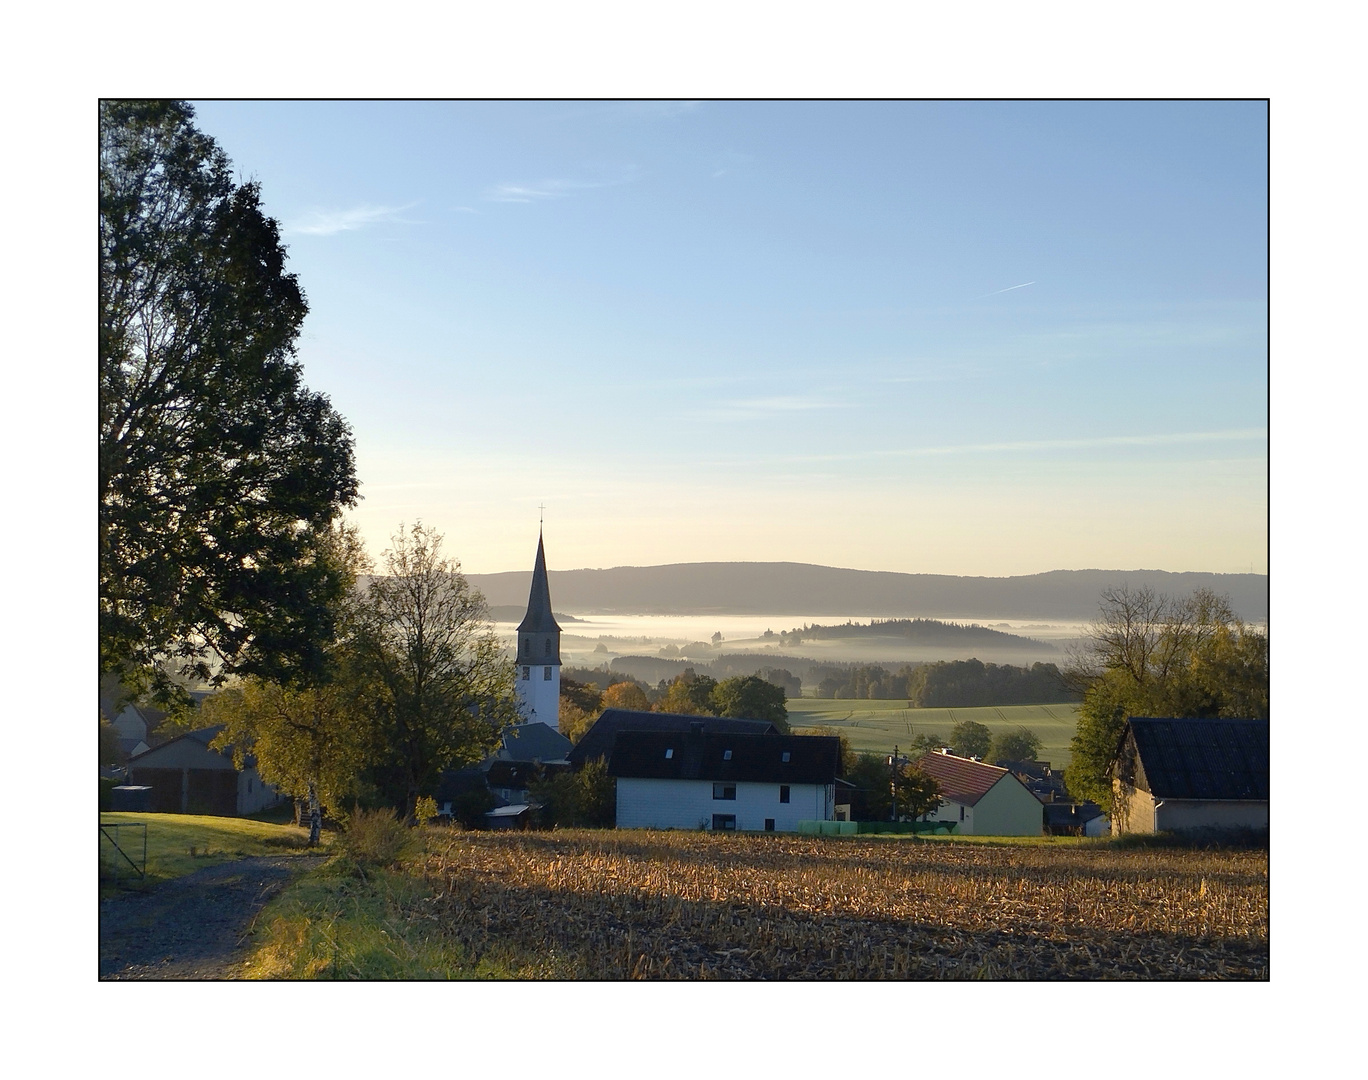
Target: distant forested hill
762 588
918 631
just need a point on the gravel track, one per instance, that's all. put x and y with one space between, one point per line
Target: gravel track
192 927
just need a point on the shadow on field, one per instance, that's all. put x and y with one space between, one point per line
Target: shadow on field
634 933
1132 864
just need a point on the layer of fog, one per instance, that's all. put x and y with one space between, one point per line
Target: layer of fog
595 640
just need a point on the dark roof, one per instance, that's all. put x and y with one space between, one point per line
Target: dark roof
539 618
813 759
961 780
456 782
598 740
1063 814
533 742
203 736
1201 759
517 774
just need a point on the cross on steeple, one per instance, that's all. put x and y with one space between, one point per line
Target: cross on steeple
541 520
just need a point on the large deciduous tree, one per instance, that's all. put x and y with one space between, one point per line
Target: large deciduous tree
752 698
1153 655
219 471
436 681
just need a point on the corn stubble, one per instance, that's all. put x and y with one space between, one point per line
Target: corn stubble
620 905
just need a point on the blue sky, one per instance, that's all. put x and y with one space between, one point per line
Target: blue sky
972 338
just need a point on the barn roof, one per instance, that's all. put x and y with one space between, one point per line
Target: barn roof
533 742
598 740
726 756
1202 759
960 780
203 736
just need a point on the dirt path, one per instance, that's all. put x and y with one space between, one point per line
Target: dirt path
192 927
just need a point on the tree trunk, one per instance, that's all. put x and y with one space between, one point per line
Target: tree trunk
315 816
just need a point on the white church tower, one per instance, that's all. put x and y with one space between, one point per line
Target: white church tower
538 674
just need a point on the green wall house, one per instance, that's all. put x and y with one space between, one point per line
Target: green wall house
981 800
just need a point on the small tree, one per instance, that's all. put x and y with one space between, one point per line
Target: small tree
918 793
626 695
311 742
1023 744
585 799
437 682
971 739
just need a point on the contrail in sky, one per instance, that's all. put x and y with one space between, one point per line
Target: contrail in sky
1011 287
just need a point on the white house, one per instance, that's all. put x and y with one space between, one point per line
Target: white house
723 781
982 800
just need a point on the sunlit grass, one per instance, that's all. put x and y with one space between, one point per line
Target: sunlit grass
877 726
179 844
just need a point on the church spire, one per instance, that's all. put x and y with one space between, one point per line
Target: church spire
539 618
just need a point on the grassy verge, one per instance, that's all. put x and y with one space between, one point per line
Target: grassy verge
341 922
179 844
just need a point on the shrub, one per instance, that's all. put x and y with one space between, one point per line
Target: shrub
425 809
377 838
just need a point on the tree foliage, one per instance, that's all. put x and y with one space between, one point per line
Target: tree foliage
690 694
219 472
1152 655
971 739
752 698
432 673
310 742
585 798
626 695
917 793
1023 744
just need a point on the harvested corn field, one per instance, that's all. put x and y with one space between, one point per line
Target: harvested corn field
616 905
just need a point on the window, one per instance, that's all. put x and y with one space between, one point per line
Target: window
527 673
961 813
783 793
548 646
546 674
669 754
724 791
786 757
724 821
726 755
769 824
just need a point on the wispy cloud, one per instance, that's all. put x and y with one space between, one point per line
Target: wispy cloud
544 190
756 408
1039 445
331 222
1010 288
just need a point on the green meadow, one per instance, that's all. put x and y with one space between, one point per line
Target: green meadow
878 726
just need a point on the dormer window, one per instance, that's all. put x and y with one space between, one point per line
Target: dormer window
669 754
786 757
726 755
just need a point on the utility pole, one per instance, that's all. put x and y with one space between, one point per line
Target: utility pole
893 782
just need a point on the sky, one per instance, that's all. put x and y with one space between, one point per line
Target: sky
983 338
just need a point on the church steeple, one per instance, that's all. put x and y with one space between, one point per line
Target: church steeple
539 618
538 675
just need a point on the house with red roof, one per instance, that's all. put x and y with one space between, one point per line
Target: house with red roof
981 800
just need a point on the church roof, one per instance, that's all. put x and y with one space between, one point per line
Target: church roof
539 617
